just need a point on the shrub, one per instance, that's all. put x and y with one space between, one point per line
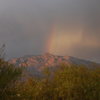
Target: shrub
9 74
67 83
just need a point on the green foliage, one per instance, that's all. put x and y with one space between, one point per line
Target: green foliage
9 74
77 83
66 83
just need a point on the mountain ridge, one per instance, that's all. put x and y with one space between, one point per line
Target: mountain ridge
36 64
48 59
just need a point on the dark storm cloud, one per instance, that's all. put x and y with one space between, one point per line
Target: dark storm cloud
25 25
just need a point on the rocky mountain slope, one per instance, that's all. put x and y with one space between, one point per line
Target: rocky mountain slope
35 64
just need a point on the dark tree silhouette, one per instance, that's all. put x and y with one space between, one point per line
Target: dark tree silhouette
2 51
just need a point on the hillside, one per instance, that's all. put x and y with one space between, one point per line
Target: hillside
35 64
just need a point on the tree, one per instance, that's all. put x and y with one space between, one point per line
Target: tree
2 51
9 74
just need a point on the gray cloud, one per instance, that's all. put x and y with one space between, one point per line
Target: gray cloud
25 26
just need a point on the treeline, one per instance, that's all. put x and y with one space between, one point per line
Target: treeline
66 83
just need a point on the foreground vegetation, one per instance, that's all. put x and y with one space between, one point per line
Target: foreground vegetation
66 83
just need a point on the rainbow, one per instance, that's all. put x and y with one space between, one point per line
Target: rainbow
61 40
50 39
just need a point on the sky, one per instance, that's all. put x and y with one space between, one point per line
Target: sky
61 27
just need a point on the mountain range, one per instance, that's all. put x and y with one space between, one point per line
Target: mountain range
36 64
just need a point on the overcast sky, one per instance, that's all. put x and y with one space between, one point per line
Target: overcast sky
26 26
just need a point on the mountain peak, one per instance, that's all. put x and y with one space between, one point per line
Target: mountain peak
48 60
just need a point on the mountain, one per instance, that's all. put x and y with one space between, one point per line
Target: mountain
36 64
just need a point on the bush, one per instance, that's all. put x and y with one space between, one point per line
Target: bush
67 83
9 74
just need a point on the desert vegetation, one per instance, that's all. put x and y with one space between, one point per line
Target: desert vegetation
9 75
66 83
